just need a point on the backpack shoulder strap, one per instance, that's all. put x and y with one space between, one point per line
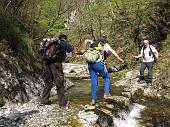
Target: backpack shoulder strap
155 59
143 48
150 48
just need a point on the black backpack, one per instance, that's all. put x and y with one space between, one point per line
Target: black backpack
51 50
102 42
151 52
96 42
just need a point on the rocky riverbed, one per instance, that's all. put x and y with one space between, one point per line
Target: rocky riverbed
33 114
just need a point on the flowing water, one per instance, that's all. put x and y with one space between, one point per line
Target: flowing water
81 92
129 119
145 112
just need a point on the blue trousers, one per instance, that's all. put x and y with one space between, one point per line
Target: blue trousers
149 66
100 68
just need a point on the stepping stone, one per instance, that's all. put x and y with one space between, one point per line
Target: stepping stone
106 111
109 106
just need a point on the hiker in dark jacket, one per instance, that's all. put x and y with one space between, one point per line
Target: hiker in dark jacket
147 52
54 74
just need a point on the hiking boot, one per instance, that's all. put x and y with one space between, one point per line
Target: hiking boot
93 102
106 97
141 81
45 103
149 82
64 104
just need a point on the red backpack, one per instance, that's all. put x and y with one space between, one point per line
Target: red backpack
50 49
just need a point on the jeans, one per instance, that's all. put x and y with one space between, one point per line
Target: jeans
149 66
100 68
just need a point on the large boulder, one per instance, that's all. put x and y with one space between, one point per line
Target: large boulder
20 84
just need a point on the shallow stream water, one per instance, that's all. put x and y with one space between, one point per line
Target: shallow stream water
156 113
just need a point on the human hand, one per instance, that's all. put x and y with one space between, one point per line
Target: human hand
134 56
122 60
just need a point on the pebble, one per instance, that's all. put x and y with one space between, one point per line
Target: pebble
31 114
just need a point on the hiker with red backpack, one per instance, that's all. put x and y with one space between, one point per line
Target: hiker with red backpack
54 53
150 55
95 57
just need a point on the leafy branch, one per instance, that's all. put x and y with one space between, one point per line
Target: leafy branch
59 13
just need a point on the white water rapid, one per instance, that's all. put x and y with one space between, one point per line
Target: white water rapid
129 119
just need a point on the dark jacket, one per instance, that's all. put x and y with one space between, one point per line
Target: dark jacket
64 47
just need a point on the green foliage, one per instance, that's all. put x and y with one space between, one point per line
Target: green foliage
20 45
118 19
30 48
49 11
2 102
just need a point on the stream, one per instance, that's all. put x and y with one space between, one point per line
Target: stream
143 112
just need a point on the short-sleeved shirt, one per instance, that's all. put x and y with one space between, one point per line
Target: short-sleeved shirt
148 54
106 49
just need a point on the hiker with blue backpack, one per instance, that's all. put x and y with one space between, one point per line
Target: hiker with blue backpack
53 54
150 55
95 57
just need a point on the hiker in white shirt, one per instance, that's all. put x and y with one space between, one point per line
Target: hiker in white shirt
106 48
99 67
149 54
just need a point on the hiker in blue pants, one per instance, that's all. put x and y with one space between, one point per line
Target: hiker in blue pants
100 67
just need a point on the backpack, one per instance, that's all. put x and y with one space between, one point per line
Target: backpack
51 49
94 53
155 59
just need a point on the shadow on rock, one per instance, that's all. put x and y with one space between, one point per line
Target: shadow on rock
15 119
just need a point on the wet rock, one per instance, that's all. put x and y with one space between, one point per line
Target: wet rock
149 92
126 94
110 106
119 99
105 117
87 119
68 83
137 91
106 111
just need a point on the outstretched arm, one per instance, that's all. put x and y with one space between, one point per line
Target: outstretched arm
108 48
115 54
140 55
86 43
